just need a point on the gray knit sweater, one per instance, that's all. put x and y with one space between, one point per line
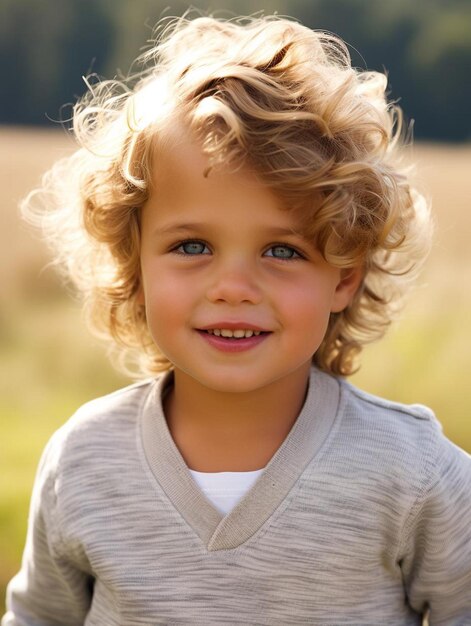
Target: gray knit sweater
363 516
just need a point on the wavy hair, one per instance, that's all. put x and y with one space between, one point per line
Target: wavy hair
265 93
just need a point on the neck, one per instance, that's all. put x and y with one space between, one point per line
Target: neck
219 431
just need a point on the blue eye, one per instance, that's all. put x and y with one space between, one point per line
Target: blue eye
192 248
283 252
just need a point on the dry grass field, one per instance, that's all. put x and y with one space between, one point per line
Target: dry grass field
50 365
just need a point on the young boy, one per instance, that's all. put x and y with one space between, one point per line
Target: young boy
240 220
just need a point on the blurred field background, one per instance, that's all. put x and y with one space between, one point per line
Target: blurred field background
50 363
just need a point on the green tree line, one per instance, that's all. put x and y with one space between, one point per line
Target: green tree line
424 46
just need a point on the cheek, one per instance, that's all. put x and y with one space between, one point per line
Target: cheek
167 297
164 315
307 298
308 310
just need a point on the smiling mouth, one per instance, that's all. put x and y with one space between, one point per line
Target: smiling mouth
239 333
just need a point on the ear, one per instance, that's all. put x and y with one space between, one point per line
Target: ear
350 281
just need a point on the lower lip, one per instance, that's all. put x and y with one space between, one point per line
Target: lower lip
233 345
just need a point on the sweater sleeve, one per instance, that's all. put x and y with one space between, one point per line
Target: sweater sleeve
49 588
436 561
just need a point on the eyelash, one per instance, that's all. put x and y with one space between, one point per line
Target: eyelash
297 255
187 241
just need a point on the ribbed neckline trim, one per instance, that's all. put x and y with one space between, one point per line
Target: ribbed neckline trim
219 532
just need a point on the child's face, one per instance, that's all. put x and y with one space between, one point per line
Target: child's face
218 253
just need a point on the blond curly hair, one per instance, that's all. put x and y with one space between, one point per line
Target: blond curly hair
265 92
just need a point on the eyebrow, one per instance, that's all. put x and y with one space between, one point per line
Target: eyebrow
176 228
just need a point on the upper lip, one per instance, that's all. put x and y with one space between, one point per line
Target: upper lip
233 326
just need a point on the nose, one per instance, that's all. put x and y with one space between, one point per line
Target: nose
234 282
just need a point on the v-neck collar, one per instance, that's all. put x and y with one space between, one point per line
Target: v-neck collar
219 532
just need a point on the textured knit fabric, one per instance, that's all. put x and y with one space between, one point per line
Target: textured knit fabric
362 516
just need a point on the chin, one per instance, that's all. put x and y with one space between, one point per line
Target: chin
231 386
226 382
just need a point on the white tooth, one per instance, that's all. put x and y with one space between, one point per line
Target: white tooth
217 332
239 333
225 332
209 331
248 333
256 333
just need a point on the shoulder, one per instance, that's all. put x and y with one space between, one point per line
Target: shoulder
122 404
88 462
99 431
105 414
408 435
377 404
96 452
377 413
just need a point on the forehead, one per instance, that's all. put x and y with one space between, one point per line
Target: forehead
183 183
179 155
182 189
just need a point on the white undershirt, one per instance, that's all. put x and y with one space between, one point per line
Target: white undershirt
225 489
